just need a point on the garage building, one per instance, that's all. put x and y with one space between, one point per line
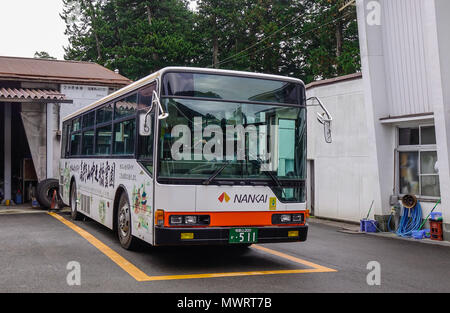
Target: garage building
35 94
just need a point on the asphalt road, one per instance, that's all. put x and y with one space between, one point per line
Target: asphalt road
35 250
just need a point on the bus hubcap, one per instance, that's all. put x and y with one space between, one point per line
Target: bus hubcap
73 202
124 221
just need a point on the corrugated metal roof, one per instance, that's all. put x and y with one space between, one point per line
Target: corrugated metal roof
14 68
30 94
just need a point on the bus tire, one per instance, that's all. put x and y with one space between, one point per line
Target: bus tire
74 214
124 224
45 191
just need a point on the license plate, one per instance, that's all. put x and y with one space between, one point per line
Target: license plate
243 235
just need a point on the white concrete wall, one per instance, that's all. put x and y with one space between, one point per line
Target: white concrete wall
406 71
344 173
437 29
81 95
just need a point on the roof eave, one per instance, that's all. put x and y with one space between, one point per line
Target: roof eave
59 80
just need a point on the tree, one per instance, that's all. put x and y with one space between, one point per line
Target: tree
136 37
332 48
43 55
309 39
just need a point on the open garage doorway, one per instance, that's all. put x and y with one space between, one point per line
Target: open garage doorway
23 179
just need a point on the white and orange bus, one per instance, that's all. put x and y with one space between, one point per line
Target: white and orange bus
191 156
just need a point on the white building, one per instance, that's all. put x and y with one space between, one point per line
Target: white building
391 127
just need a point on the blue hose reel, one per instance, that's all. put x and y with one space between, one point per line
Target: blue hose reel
411 219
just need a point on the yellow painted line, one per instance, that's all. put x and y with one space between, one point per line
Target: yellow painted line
142 277
294 259
316 268
233 274
113 255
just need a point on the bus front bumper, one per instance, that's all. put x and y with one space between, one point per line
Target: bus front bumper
220 235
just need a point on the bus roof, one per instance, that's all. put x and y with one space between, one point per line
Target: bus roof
143 81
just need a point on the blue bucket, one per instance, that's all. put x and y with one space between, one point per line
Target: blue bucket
362 225
418 234
436 216
371 226
18 198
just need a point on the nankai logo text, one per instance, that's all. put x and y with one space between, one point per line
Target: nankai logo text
243 198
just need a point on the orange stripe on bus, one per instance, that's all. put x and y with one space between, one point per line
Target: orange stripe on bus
224 219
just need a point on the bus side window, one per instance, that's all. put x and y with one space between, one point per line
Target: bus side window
146 143
64 140
104 114
88 143
103 140
125 107
145 96
124 133
75 140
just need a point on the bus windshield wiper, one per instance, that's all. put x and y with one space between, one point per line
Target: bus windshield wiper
216 172
271 175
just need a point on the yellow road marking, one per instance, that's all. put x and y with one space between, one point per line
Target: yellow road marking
113 255
142 277
233 274
294 259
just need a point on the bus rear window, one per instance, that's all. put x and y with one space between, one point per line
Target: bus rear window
231 88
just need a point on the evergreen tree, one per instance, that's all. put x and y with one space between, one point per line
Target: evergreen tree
43 55
309 39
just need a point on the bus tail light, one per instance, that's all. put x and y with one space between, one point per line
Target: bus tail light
159 218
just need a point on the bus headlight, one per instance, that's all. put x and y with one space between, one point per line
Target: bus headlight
285 218
189 220
297 218
294 218
176 219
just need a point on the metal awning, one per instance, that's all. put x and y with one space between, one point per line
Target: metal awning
32 95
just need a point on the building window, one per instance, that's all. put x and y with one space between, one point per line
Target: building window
417 159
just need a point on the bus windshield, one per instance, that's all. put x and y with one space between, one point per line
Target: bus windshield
222 141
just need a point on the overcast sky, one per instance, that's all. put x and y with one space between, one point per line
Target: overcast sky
27 26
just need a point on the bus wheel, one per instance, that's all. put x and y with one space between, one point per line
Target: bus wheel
73 203
124 224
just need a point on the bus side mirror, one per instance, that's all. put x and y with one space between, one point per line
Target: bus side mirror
325 118
162 114
326 127
145 124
